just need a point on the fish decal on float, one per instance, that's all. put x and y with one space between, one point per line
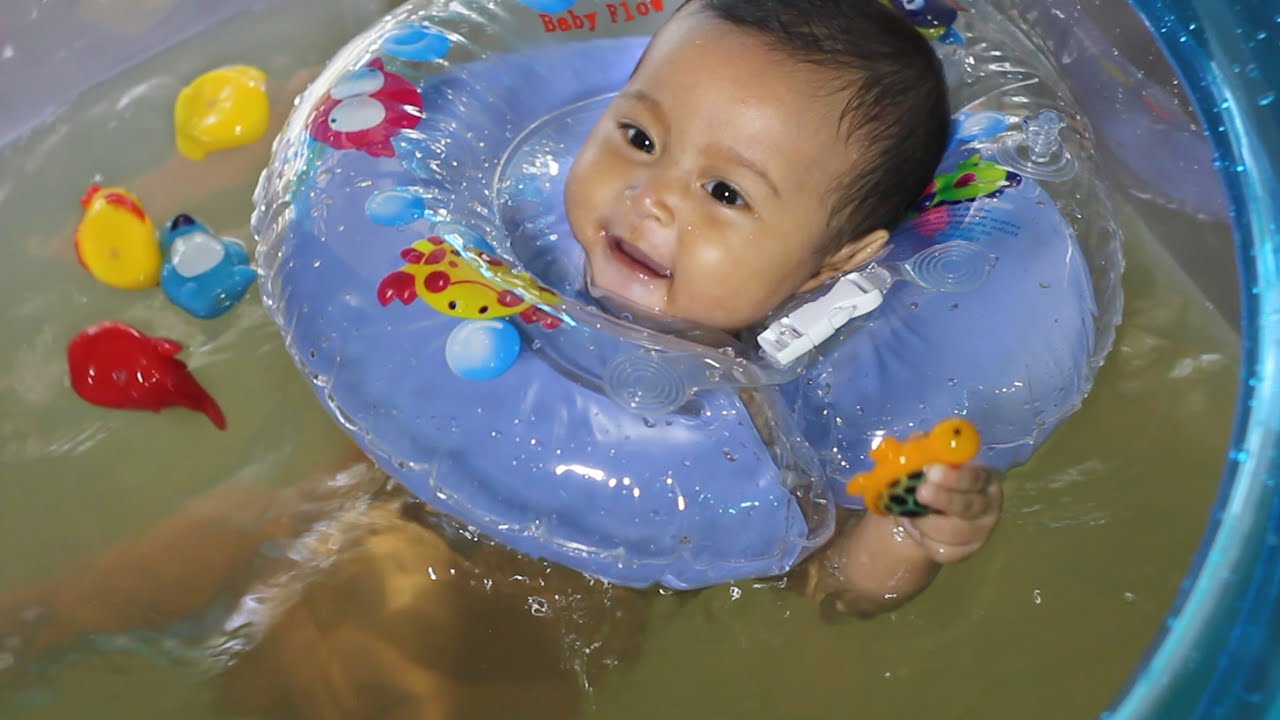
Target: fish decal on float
366 109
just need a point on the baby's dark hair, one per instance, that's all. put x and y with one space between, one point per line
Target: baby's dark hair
897 111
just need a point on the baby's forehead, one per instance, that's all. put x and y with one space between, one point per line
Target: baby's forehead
694 49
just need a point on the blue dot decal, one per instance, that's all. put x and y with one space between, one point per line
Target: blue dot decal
469 237
968 127
417 43
549 6
396 207
482 349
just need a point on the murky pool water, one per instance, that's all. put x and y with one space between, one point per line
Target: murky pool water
1048 622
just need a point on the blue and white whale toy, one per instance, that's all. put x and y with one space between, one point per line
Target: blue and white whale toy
204 274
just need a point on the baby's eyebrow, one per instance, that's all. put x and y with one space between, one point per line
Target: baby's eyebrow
644 98
736 156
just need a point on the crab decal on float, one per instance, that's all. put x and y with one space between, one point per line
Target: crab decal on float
365 109
467 282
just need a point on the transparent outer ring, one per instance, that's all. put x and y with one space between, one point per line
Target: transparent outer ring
1219 655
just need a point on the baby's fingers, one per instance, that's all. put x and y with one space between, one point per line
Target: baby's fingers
966 478
961 522
962 504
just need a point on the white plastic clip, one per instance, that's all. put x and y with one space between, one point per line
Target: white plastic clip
853 295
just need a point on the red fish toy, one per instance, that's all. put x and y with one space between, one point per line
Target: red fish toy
114 365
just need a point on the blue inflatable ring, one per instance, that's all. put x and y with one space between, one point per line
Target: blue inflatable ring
414 255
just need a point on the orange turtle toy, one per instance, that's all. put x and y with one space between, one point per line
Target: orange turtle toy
889 487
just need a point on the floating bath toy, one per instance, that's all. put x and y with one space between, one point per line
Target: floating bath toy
116 240
114 365
204 274
889 487
224 108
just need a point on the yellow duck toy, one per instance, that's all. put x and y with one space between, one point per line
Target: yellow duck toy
224 108
116 241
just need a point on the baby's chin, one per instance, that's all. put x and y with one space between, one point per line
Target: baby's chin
623 291
659 314
626 294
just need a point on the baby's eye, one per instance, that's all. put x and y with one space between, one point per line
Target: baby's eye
639 139
725 193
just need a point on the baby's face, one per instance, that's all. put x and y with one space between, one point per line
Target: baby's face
705 190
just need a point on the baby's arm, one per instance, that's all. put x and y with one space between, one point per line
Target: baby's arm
877 563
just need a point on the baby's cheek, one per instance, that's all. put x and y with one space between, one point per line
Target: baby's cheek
762 279
577 206
736 299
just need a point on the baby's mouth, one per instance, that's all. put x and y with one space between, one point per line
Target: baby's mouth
636 260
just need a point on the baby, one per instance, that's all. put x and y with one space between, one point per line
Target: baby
759 149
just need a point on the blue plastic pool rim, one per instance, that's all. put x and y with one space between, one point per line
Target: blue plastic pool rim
1214 658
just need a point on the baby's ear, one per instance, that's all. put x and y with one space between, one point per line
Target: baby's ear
848 257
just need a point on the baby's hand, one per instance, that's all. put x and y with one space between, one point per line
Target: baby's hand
966 503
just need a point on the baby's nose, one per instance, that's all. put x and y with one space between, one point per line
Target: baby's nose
649 200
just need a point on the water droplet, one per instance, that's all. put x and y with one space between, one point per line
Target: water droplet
1267 99
728 455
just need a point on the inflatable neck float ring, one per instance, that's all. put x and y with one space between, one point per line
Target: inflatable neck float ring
414 252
